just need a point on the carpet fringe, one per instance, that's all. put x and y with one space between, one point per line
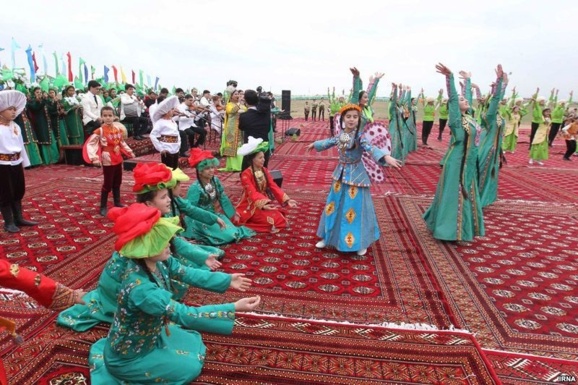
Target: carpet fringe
389 325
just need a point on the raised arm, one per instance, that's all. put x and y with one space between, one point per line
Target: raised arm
496 95
357 86
455 115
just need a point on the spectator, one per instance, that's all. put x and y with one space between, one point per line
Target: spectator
131 110
91 105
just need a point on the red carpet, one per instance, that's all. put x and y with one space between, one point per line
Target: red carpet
515 289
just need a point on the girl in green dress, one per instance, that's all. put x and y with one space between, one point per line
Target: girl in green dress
539 147
73 117
41 124
208 193
153 338
456 213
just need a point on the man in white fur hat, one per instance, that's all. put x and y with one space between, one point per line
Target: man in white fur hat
13 159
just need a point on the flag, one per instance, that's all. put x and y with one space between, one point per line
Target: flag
45 84
106 69
56 63
31 64
63 65
15 46
133 77
156 83
122 75
85 73
92 72
149 80
78 83
140 77
60 81
115 72
44 62
34 61
80 64
70 77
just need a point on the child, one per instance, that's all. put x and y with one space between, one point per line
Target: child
208 193
512 128
348 222
256 208
539 147
13 159
154 338
570 133
105 147
165 133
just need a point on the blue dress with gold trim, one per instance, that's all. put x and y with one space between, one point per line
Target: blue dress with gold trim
348 221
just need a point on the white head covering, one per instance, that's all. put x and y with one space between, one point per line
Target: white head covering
250 146
164 107
429 100
12 98
541 99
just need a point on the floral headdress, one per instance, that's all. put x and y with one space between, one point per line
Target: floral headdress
349 106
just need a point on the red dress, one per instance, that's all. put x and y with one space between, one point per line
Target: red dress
46 291
255 196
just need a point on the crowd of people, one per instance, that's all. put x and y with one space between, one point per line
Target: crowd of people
153 336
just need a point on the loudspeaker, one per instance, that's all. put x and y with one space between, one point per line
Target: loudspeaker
277 177
293 131
286 101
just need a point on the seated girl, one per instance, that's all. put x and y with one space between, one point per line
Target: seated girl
153 338
208 193
257 209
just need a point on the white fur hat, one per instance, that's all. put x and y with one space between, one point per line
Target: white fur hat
430 99
12 98
519 100
164 107
540 99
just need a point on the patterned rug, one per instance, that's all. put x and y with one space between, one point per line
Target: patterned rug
516 287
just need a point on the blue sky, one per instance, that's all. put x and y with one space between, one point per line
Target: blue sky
306 46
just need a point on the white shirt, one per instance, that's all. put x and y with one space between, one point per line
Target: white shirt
188 120
128 99
90 107
168 128
11 142
205 102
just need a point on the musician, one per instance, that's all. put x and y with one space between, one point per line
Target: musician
131 109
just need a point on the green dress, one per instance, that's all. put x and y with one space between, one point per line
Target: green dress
29 138
489 151
213 200
154 339
42 126
232 138
456 212
100 303
55 110
73 120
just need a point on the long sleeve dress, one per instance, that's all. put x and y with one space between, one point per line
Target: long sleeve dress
456 212
511 131
348 221
154 339
396 128
29 138
232 138
489 151
100 303
257 192
73 119
42 126
213 200
539 147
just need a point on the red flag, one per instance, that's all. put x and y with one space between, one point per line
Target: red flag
34 61
133 77
115 72
70 76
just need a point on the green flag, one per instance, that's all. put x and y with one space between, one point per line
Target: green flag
78 84
80 64
60 81
7 74
56 63
45 84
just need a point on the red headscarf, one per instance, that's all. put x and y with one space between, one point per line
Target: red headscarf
198 155
132 221
147 175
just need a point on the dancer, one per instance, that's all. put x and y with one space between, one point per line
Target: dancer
539 147
335 105
442 108
456 213
538 105
513 117
428 117
106 147
490 148
348 221
208 193
558 115
570 133
13 159
256 207
395 125
364 98
147 341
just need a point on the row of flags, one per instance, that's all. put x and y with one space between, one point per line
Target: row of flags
64 73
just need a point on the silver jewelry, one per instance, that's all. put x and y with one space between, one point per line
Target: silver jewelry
344 139
209 189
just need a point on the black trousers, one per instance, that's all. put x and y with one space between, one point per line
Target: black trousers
112 177
554 128
12 186
443 123
139 125
89 128
200 131
170 160
331 128
425 131
533 132
570 148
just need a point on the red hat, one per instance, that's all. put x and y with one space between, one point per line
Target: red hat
151 176
132 221
198 155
